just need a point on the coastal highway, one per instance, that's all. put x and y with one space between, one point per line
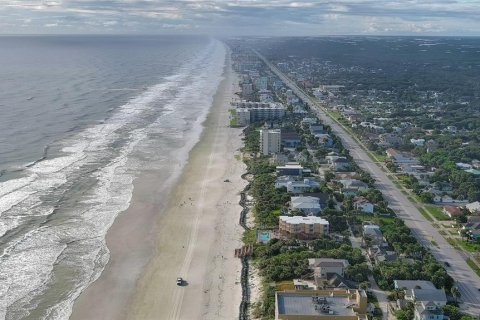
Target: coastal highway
466 280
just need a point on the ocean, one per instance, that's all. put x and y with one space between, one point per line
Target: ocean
80 118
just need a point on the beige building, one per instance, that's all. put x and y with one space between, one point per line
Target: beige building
350 304
270 141
303 227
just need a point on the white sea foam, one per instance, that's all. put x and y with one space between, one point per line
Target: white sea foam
74 238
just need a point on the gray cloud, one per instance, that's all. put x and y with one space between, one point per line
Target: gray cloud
252 17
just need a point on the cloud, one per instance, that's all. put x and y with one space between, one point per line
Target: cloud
257 17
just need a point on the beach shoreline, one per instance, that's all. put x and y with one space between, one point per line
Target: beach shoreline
192 235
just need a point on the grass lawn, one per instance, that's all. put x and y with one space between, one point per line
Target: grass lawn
284 285
405 193
425 214
373 218
452 242
453 233
276 212
250 236
437 213
435 243
380 156
335 114
474 266
469 246
443 233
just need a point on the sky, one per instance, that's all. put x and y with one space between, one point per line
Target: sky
241 17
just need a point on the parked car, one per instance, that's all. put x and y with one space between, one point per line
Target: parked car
446 264
179 281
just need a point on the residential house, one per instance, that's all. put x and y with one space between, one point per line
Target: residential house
316 129
437 296
474 207
309 121
427 311
290 169
373 233
472 229
308 205
302 186
379 254
290 139
321 196
362 204
476 164
390 139
331 156
352 186
400 157
279 159
463 166
322 266
324 139
473 219
452 211
411 284
418 142
339 164
305 228
445 187
452 129
282 181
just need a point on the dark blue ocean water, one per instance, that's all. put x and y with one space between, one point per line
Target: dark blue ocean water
80 118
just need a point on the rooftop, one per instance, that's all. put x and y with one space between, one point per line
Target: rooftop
291 165
410 284
429 295
303 220
328 262
314 304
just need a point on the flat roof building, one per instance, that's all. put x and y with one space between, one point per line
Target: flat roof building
261 111
290 169
321 305
304 228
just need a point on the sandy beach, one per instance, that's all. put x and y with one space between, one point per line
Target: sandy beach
192 235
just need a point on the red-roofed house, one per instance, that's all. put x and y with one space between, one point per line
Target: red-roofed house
452 211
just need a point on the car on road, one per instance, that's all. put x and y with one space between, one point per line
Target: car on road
179 281
446 264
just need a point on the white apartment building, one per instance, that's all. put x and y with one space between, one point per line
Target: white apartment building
270 141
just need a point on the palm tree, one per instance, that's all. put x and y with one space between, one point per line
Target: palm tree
455 293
